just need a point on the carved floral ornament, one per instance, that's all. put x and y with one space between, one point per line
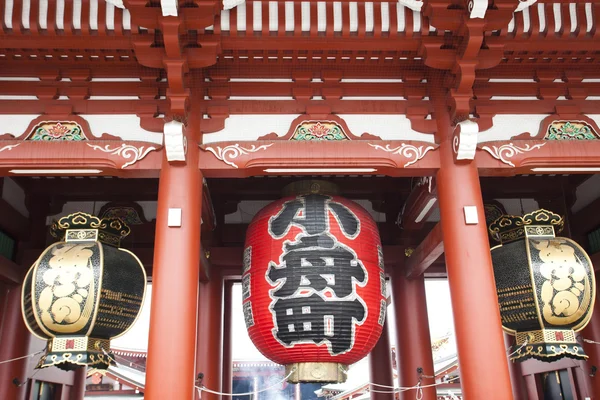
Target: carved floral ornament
505 152
52 131
570 130
319 130
409 151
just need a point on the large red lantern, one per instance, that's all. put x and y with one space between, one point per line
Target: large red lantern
314 284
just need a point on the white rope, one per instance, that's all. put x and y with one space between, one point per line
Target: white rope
204 389
419 395
418 386
20 358
519 348
590 341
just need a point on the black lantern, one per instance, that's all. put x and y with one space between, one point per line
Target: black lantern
83 291
545 286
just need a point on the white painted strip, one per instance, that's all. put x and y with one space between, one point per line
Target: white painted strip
116 80
557 17
385 17
526 20
276 80
127 19
542 16
369 21
513 98
369 80
76 14
110 16
9 97
25 13
257 16
416 21
353 17
590 80
373 98
593 98
241 17
261 98
43 14
60 14
8 10
337 16
573 16
94 15
289 16
511 24
305 7
18 79
273 16
114 98
225 15
589 16
321 16
510 80
400 10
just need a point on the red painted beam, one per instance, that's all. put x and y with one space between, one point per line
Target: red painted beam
10 271
430 249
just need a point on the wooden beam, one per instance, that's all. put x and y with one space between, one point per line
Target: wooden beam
10 271
595 258
426 253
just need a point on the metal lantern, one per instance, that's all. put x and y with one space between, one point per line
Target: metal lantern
314 294
83 291
545 286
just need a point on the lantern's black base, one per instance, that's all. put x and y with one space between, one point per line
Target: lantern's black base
70 361
548 352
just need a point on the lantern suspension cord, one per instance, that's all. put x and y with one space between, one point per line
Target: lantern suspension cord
202 388
418 387
20 358
590 341
525 343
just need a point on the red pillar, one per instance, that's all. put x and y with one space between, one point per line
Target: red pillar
210 340
171 366
227 348
413 342
514 369
380 364
78 389
480 343
14 342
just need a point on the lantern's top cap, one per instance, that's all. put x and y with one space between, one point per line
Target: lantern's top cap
508 228
311 186
83 227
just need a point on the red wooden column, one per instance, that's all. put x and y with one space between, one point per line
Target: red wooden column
14 339
209 354
480 342
413 342
514 369
592 332
171 363
227 334
78 389
380 363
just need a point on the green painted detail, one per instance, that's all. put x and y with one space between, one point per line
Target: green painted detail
58 132
319 132
570 131
7 246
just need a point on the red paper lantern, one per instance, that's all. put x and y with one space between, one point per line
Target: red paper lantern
314 285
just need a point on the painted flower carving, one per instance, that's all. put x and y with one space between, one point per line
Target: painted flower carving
319 130
57 130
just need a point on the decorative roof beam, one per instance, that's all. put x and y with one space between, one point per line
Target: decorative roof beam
430 249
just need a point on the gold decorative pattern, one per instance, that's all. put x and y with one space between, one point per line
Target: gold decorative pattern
126 151
80 227
507 151
66 303
412 153
549 352
566 293
546 336
233 151
508 228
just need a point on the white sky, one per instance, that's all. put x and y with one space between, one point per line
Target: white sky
438 309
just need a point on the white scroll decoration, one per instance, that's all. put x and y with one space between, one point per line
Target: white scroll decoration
464 144
507 151
9 147
175 143
477 8
414 5
413 153
169 7
125 151
523 4
233 151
